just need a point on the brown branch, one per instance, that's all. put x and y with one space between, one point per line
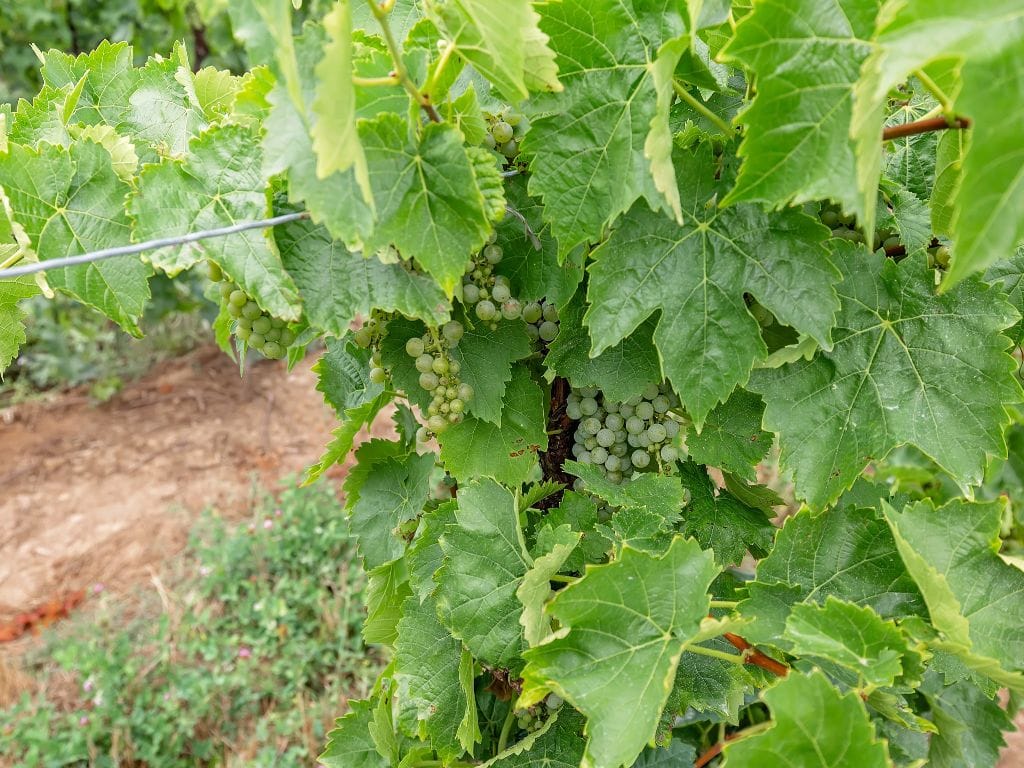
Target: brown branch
560 429
714 750
923 126
755 657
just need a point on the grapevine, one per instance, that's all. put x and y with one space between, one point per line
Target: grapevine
703 355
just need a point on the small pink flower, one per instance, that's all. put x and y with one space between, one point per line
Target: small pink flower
87 685
277 513
268 524
83 720
204 570
97 588
244 653
167 695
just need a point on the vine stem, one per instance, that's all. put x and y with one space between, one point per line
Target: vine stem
563 579
933 88
732 658
506 729
381 14
694 102
755 657
716 749
724 603
370 82
431 85
925 125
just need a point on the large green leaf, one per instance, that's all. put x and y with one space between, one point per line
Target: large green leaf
974 597
812 725
350 745
12 327
970 725
621 679
387 587
707 685
586 144
904 364
502 41
558 744
846 552
661 495
696 275
508 453
732 438
535 589
344 435
797 146
71 201
425 556
337 285
343 376
428 670
485 560
218 184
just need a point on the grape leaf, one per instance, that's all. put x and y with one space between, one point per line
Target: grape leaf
848 552
12 327
426 196
621 680
732 438
345 433
580 514
69 202
662 495
387 587
852 636
535 589
678 754
501 41
485 358
970 725
45 118
394 492
897 374
696 274
109 79
974 597
478 448
910 217
707 685
402 18
721 521
218 184
349 744
805 710
428 672
485 560
335 140
367 456
620 372
586 144
343 376
337 285
949 155
425 556
797 145
1009 275
910 160
558 744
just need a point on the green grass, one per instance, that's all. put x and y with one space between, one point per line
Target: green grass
244 659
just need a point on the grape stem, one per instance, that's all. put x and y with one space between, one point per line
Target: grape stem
527 230
369 82
380 12
732 658
926 125
559 578
13 259
933 88
724 604
716 749
431 85
698 105
753 656
506 729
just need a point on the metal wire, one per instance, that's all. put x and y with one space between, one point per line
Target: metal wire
149 245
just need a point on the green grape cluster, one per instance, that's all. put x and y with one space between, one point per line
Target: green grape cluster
938 256
488 293
505 131
439 375
844 225
268 335
541 321
620 438
371 332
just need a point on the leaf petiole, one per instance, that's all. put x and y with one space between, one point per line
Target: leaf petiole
732 658
698 105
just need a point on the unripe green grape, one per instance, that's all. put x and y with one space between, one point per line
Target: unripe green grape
671 428
553 701
238 298
216 275
634 425
942 256
599 455
614 477
256 340
276 322
424 363
486 310
375 358
274 334
251 310
489 141
847 219
422 435
501 280
626 410
439 366
273 350
656 433
502 131
454 418
362 337
661 404
643 439
572 410
233 310
456 406
613 421
261 324
414 347
645 411
477 274
494 254
225 290
509 149
584 456
605 437
444 407
532 312
669 453
501 293
590 443
650 392
590 425
465 392
577 449
437 423
548 331
589 391
619 449
633 440
433 409
612 463
532 333
891 242
470 293
243 323
484 294
428 381
550 313
378 375
511 309
453 331
620 435
829 218
589 406
640 459
243 333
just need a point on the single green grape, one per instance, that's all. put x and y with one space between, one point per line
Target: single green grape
378 375
453 331
414 347
548 331
532 312
502 132
424 363
273 350
261 324
251 310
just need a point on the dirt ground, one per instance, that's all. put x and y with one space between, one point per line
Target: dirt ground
101 496
95 496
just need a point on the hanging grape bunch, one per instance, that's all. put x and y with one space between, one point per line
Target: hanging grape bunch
439 376
541 321
489 294
369 336
505 131
620 438
844 226
268 335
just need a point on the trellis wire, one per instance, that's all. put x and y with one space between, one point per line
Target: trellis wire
148 245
